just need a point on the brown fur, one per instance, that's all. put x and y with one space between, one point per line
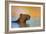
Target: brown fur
22 20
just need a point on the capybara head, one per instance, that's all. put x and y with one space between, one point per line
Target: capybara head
22 20
24 16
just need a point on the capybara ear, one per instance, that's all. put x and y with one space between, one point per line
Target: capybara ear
20 14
